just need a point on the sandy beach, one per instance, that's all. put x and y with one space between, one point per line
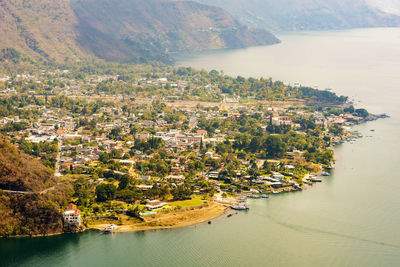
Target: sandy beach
168 220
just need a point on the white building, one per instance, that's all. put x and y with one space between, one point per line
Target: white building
155 204
72 215
282 120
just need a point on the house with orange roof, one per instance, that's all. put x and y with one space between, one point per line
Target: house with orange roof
72 215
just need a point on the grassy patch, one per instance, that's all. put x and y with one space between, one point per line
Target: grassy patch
196 201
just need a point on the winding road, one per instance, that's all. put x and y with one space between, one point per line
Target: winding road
29 192
57 174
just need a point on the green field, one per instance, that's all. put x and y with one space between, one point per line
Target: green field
196 201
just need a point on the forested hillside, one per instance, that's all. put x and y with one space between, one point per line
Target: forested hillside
37 208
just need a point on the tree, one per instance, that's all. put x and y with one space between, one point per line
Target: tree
253 171
267 166
325 157
181 192
362 112
274 146
241 141
349 109
15 126
146 146
306 123
135 212
254 145
105 192
336 129
164 191
115 133
124 181
104 157
127 195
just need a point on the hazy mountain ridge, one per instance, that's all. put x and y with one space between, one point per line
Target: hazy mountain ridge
152 27
123 30
388 6
289 15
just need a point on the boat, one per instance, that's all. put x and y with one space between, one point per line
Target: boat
331 166
254 196
242 198
325 173
240 206
264 196
110 228
315 180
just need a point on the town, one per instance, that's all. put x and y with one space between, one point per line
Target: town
137 147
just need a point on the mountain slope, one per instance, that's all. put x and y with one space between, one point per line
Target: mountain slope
21 172
123 30
288 15
41 28
39 209
149 28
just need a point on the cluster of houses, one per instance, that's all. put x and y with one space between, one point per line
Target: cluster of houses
59 124
275 180
81 147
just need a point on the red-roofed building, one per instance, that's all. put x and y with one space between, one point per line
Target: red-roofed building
72 215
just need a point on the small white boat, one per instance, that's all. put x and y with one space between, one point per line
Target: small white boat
325 173
110 228
240 206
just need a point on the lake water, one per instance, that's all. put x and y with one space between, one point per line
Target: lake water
351 219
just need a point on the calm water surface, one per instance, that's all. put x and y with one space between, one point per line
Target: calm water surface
351 219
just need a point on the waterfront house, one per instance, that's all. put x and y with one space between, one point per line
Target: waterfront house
72 215
155 204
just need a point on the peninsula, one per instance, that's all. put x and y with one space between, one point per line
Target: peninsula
154 146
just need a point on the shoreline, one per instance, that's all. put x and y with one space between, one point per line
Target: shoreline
223 207
169 220
192 216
